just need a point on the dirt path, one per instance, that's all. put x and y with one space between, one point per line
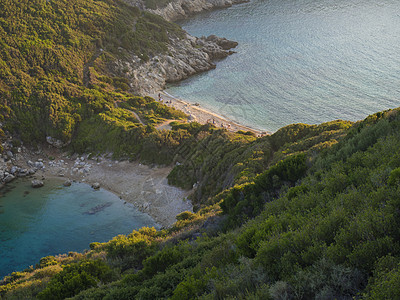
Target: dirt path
88 65
137 117
165 125
133 113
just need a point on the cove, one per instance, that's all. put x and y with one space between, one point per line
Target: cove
55 219
307 61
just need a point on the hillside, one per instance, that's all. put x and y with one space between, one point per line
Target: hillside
320 220
65 66
311 211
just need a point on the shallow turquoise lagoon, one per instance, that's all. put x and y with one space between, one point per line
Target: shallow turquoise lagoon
55 219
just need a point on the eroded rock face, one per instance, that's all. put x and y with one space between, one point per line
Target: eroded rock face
181 9
55 142
185 57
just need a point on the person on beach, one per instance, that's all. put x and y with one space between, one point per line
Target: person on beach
159 96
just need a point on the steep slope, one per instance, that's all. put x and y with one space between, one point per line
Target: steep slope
63 61
334 234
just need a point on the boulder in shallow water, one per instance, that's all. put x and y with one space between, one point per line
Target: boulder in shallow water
23 173
96 185
14 169
67 183
9 178
37 183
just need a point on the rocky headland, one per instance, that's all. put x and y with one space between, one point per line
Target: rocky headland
185 57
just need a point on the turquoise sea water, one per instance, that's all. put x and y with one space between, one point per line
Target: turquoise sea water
306 61
54 219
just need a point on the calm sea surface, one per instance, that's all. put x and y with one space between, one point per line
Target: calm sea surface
54 219
307 61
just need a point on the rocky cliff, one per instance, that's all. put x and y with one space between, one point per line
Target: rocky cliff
185 57
180 9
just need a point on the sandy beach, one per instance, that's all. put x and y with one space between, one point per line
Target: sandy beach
202 115
143 186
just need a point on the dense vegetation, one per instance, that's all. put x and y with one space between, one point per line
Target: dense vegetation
56 74
311 211
318 219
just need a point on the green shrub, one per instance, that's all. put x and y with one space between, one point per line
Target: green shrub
46 261
75 278
394 177
186 215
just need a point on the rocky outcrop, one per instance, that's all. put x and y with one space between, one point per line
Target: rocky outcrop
8 178
14 161
55 142
96 186
185 57
37 183
181 9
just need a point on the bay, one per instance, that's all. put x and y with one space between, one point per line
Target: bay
307 61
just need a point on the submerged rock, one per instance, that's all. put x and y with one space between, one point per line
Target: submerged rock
97 208
37 183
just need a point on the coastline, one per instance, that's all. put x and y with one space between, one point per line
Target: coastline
203 115
143 186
